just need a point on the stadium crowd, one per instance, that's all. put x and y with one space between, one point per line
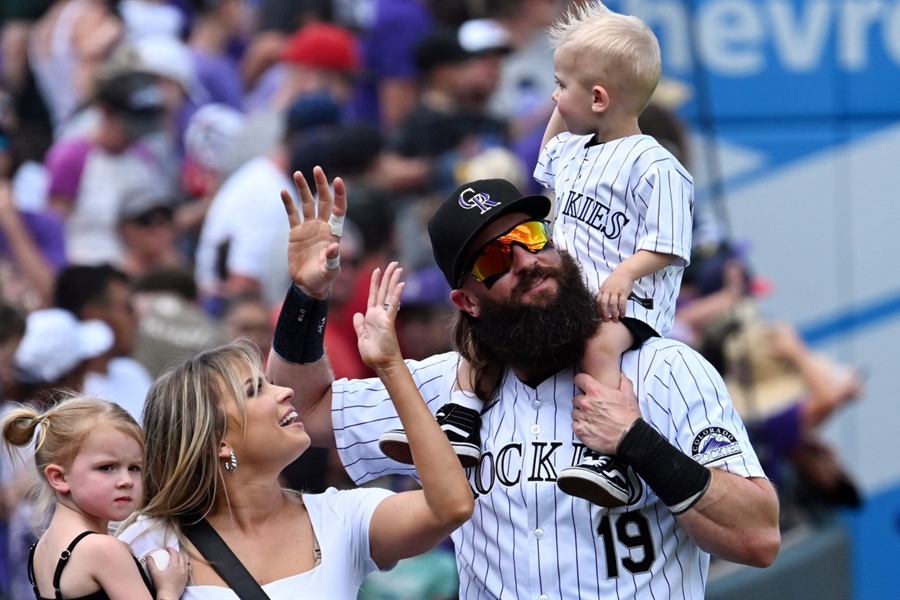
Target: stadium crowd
143 148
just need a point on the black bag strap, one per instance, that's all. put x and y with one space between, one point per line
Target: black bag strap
221 558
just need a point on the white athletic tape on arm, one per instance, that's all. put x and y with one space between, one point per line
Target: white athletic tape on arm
336 223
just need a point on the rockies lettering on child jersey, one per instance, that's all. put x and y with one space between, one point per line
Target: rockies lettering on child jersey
593 213
614 199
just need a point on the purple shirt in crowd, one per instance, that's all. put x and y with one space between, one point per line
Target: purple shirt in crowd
387 47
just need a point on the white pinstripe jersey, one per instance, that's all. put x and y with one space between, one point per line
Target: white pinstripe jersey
527 539
615 198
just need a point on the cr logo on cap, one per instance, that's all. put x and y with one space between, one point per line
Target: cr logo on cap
476 200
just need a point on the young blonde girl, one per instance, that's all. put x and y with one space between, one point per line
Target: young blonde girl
88 455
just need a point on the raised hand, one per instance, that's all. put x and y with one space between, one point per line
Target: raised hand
313 243
378 345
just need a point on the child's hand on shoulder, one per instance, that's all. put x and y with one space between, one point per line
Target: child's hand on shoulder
614 294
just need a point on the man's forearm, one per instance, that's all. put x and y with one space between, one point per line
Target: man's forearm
298 361
736 519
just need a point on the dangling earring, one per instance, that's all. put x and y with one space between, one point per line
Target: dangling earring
231 463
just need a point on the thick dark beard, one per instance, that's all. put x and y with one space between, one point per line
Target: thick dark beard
545 336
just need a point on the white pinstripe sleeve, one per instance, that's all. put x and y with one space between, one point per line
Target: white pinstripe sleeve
362 410
547 165
685 399
669 218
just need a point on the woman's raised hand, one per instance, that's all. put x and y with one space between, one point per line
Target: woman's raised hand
378 345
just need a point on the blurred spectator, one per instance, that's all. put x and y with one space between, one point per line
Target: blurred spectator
54 353
32 250
440 122
12 330
148 18
712 286
785 391
523 94
125 153
250 318
171 324
487 41
239 252
65 48
23 111
276 21
103 293
216 24
52 357
429 576
147 231
319 57
423 325
317 62
210 156
386 89
172 61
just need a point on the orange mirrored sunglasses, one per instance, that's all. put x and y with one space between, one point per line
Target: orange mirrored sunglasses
494 259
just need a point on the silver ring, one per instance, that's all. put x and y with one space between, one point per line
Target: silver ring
336 224
386 306
333 263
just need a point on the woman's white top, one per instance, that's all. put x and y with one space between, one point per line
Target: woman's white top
340 521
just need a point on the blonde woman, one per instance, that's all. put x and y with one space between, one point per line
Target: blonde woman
219 435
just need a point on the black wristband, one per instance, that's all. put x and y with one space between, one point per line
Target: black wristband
300 331
677 479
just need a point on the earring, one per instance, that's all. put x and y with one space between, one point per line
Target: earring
231 463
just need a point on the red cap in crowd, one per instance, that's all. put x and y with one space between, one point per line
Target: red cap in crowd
323 46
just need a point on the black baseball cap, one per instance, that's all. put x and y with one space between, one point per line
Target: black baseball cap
440 47
132 92
136 98
467 211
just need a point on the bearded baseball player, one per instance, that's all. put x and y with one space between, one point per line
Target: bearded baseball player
701 488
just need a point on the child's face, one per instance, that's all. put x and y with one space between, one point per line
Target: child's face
105 476
573 99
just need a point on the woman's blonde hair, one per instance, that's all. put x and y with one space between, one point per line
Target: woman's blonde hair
184 425
617 51
58 434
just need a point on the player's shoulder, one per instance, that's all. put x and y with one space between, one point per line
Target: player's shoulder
436 364
437 370
662 353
